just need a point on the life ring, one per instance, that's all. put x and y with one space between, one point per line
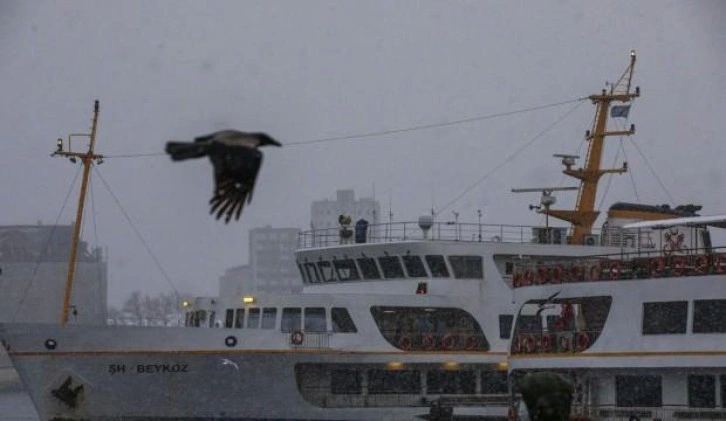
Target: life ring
657 267
616 268
230 341
472 342
428 342
576 274
583 341
528 278
448 342
297 337
404 343
678 266
595 272
701 265
530 345
516 279
546 343
542 276
517 345
564 343
51 344
718 263
556 275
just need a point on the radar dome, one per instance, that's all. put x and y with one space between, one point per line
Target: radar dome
425 222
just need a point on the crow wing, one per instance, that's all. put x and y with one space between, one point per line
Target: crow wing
235 174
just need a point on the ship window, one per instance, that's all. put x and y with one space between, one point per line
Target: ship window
326 271
291 319
212 316
505 326
303 275
315 319
345 382
414 266
437 266
269 316
253 318
312 272
239 318
228 318
346 270
391 267
467 267
341 320
393 382
368 268
451 382
644 391
722 380
709 316
702 391
665 317
494 382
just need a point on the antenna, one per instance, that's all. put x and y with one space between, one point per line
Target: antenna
546 200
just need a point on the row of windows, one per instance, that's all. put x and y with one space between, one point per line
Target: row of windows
309 319
391 267
647 391
709 316
410 382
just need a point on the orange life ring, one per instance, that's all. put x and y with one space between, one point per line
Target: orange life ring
616 268
531 345
678 266
595 272
516 279
297 337
718 263
700 267
542 275
583 341
528 278
472 342
576 274
546 343
564 343
557 275
428 342
657 267
516 345
448 342
404 343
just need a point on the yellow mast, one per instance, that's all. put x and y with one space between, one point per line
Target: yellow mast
87 159
584 215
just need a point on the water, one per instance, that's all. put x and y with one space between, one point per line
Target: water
16 406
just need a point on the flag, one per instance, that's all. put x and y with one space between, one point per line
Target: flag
620 111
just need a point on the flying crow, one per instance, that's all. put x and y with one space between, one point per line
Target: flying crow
236 162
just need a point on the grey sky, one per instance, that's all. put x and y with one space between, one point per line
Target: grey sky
306 70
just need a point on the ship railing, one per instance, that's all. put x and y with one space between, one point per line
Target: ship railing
663 413
302 339
549 342
439 231
620 267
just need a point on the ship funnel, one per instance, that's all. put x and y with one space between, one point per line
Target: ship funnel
425 222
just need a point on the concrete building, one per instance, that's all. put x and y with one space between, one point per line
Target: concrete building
236 281
324 213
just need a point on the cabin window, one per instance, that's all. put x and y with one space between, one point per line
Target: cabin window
368 268
633 391
212 316
291 319
253 318
394 382
709 316
341 320
451 382
702 391
345 382
414 267
346 270
391 267
326 271
467 267
722 380
269 316
239 318
303 275
312 272
228 318
437 266
494 382
665 317
315 319
505 326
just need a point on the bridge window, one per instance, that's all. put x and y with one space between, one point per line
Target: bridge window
315 319
665 317
414 266
368 268
342 321
303 275
345 382
391 267
634 391
346 270
467 267
326 271
253 318
451 382
709 316
394 382
269 316
312 272
702 391
239 318
437 266
291 319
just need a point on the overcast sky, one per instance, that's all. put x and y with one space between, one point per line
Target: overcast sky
304 70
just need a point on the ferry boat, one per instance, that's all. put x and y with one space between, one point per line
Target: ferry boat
397 322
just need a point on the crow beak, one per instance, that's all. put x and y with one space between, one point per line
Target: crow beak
274 142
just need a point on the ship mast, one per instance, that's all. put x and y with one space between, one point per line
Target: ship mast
87 159
584 215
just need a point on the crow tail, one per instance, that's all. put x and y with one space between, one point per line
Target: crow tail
180 151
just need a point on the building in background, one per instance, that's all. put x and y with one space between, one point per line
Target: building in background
324 213
237 280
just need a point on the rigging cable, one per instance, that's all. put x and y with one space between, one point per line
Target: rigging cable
138 234
660 182
45 248
95 238
507 159
395 131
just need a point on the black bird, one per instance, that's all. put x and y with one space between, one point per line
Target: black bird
236 162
